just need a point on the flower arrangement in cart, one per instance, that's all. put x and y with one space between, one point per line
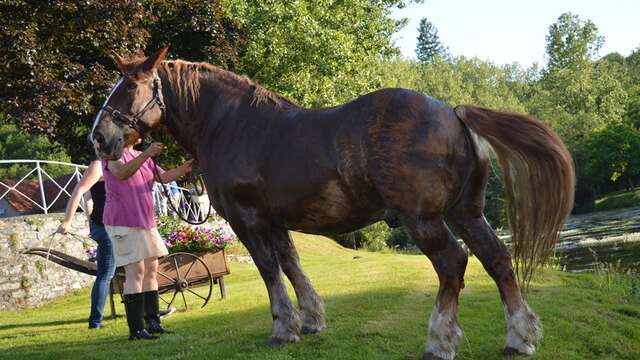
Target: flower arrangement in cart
212 237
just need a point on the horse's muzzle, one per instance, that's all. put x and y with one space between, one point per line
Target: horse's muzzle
107 149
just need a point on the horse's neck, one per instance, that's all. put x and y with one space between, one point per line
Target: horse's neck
193 123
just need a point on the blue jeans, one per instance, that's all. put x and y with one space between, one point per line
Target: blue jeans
106 269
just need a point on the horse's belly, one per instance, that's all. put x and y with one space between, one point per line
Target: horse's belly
333 209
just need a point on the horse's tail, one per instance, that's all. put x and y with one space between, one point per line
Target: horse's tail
539 179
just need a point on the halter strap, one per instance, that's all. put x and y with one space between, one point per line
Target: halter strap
134 121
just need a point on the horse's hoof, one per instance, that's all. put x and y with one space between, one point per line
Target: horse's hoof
430 356
509 351
277 341
307 329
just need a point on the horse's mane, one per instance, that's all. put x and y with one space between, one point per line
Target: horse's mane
183 77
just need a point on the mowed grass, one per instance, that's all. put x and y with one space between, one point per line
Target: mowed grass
618 200
377 307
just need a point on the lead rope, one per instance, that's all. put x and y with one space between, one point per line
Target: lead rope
156 175
53 236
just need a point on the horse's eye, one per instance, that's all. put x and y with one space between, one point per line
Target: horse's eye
131 86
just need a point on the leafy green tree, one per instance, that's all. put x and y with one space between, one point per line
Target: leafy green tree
461 80
429 45
614 58
316 52
19 145
578 95
401 73
57 69
613 153
572 42
632 113
633 65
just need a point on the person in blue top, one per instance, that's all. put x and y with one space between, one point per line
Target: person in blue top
92 181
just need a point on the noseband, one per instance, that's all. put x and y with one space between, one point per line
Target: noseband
134 121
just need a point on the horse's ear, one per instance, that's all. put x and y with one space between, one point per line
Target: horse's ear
119 61
155 59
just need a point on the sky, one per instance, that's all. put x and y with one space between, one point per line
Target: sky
514 31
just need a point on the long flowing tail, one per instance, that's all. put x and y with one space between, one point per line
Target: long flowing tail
539 179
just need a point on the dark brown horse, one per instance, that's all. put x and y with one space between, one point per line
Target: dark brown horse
271 166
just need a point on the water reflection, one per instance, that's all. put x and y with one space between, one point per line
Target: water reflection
609 237
584 258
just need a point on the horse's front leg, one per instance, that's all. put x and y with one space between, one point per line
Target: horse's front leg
311 306
286 322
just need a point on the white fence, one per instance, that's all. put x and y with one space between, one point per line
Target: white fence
51 191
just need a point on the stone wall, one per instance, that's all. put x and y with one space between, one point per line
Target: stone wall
29 280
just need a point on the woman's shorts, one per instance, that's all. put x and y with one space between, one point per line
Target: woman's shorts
132 244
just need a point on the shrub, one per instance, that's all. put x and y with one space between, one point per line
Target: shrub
375 237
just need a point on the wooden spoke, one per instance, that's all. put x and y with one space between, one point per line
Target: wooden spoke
186 307
165 301
172 299
165 276
175 263
198 295
186 275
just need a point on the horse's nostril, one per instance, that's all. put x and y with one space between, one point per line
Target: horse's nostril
99 137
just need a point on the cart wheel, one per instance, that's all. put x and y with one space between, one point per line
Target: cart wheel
187 276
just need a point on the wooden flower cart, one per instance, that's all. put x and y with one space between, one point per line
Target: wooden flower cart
178 273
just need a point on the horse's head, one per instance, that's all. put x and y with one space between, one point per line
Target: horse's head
134 106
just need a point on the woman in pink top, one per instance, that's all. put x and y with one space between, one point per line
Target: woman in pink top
130 222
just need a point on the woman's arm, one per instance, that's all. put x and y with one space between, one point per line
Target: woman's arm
123 171
91 176
174 174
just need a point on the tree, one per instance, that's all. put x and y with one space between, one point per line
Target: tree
632 114
318 53
615 58
633 64
57 69
572 42
578 95
16 144
429 45
613 153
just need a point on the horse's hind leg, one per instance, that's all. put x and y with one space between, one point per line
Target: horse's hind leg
524 330
449 260
259 241
311 307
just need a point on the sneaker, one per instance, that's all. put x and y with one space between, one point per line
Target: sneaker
96 326
167 312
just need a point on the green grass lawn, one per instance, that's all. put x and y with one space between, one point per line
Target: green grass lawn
377 307
618 199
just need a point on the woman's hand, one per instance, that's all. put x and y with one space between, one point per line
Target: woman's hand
154 149
186 167
63 228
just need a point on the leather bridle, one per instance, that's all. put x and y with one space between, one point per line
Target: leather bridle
134 121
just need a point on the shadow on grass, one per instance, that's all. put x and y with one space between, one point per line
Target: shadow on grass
381 324
44 323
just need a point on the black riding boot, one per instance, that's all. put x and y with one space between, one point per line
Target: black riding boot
152 313
134 307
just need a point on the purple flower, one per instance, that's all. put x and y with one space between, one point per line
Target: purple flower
91 253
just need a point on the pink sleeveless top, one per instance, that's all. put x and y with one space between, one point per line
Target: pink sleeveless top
129 202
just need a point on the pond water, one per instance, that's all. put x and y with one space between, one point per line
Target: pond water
611 237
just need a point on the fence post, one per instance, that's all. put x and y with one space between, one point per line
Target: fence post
44 199
83 202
